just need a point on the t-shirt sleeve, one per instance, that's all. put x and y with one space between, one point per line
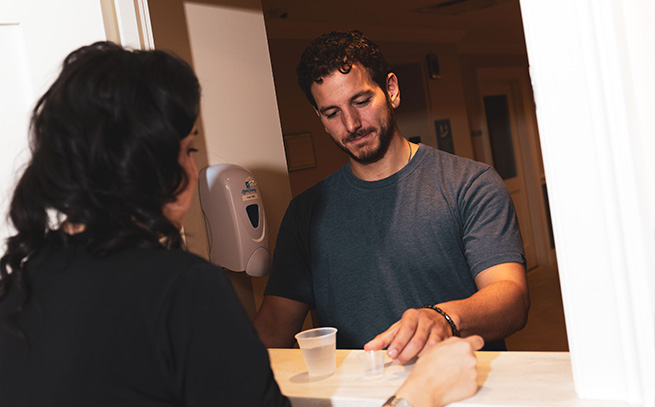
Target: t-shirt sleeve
209 347
290 275
491 229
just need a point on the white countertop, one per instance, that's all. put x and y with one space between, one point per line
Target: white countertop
512 379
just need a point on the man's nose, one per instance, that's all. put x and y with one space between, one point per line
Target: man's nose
351 121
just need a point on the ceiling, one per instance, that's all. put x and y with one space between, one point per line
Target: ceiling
468 23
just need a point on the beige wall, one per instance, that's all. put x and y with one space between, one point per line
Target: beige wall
170 33
298 116
226 42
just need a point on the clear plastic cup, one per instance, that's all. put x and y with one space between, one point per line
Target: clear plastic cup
319 350
372 362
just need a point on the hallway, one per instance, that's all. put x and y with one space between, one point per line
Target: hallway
545 330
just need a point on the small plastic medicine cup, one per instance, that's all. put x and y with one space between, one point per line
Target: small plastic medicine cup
372 362
319 350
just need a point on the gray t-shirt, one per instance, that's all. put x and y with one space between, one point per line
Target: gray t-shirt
363 252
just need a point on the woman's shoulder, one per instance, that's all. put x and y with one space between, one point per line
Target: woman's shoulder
161 273
143 268
161 260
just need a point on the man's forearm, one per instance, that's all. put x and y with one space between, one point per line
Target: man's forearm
270 335
495 312
278 320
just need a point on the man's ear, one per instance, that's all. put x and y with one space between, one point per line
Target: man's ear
317 112
393 90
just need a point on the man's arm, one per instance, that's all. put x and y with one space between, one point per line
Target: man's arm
498 309
278 320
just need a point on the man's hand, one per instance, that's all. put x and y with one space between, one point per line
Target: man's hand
417 329
498 309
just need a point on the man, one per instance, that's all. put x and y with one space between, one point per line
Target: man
399 227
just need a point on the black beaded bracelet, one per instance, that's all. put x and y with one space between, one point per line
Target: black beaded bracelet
448 319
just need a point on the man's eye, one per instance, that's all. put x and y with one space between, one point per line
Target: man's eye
191 150
362 102
330 115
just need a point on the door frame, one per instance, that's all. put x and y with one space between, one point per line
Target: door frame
127 22
593 81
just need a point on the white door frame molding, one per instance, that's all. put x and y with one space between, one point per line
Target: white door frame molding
592 72
127 22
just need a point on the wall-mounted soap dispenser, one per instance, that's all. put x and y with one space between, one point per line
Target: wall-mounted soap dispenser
235 220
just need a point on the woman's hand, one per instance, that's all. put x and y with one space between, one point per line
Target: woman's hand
444 373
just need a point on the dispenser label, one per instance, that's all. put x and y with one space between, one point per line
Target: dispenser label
250 191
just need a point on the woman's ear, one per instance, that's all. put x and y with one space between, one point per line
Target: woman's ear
393 90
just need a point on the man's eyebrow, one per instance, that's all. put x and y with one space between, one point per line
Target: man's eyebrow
367 92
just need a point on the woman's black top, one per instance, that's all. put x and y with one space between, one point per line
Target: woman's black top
140 327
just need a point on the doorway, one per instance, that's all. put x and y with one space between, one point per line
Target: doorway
510 143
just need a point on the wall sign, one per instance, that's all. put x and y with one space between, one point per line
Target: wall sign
444 136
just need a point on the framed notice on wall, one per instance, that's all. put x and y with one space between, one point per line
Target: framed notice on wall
299 149
444 136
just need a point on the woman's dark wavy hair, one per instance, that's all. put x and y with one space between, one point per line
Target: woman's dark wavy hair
105 140
338 51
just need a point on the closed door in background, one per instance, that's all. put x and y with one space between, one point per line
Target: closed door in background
502 129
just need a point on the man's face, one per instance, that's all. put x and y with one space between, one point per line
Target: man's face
356 113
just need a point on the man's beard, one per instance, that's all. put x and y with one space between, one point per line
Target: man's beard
386 135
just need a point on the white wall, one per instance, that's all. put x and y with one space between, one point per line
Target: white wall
35 37
592 65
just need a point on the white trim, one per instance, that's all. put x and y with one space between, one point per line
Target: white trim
147 39
127 22
594 110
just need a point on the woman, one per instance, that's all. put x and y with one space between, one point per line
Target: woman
99 303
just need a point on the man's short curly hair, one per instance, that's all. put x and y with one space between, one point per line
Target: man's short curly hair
340 51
